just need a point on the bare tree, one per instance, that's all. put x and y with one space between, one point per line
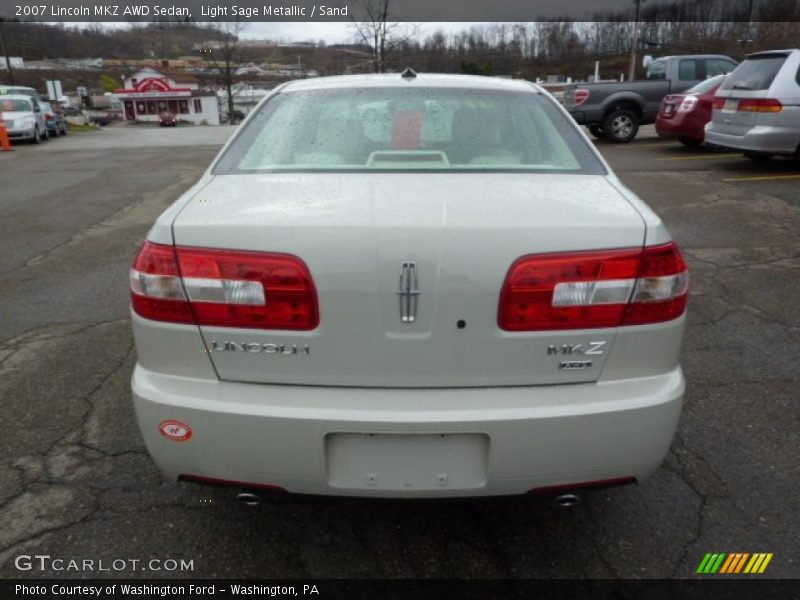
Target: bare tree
381 36
225 54
4 51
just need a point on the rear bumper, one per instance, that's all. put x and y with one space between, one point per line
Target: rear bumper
515 439
22 134
587 117
766 139
680 127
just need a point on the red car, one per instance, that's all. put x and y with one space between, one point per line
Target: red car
684 116
167 119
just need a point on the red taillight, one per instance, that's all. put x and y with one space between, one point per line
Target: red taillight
223 287
581 96
718 102
662 288
581 290
688 104
759 105
156 288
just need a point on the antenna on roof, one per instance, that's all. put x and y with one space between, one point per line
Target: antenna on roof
408 73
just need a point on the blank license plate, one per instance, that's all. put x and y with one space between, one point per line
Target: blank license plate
730 105
391 461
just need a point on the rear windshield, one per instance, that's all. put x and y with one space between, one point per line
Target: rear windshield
705 86
755 73
9 105
22 91
409 129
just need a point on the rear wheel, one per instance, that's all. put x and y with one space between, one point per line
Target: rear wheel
597 132
621 125
758 156
689 142
37 138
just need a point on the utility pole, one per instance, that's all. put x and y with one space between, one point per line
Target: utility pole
748 35
635 44
5 53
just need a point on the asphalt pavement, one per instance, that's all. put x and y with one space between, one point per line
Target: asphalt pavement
76 481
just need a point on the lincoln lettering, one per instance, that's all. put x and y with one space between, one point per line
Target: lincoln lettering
256 348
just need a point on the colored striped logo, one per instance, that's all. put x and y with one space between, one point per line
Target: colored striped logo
734 562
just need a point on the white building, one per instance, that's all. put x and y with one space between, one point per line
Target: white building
245 96
148 93
16 62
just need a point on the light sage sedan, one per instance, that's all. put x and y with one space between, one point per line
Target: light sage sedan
408 286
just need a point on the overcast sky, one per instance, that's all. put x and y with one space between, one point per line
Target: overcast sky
332 33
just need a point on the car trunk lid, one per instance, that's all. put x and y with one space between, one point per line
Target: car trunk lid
461 232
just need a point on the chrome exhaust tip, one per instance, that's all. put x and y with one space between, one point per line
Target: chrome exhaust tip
566 500
249 498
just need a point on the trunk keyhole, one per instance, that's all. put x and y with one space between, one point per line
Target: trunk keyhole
461 323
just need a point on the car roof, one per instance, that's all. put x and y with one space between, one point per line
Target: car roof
17 97
691 56
432 80
786 52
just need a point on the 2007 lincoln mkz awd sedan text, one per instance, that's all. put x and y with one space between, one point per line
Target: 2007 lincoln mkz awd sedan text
408 286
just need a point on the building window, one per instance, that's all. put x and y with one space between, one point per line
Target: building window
141 108
152 109
198 105
183 107
173 107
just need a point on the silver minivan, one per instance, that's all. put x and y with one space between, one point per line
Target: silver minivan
23 118
757 108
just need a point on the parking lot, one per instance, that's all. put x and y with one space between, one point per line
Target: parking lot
76 481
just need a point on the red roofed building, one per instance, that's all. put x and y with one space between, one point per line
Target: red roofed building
148 93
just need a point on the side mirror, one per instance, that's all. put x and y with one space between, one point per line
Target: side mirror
37 109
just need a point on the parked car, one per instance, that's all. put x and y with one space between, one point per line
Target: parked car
757 108
23 118
684 116
71 111
19 90
615 110
53 120
167 119
469 303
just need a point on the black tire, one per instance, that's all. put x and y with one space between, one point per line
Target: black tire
37 138
690 142
758 156
621 125
597 132
64 130
55 133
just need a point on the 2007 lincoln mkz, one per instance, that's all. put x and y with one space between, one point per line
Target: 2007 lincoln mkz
408 286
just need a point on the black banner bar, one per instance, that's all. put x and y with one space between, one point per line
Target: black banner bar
711 588
398 10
